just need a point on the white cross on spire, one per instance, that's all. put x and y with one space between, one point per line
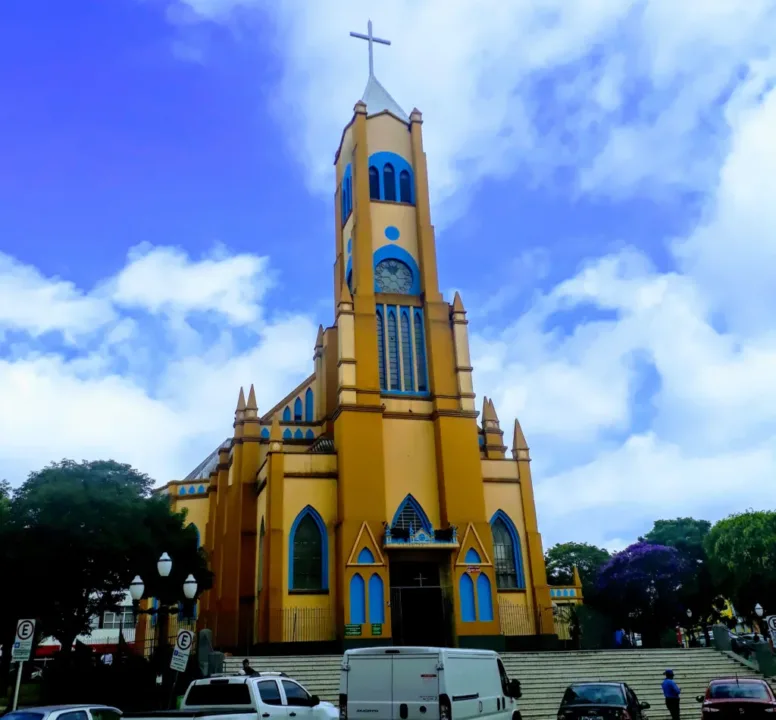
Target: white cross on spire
371 39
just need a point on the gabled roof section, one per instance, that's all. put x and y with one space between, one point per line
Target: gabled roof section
267 417
203 470
378 99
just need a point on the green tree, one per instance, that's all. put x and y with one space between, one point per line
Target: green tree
742 554
80 532
700 593
561 559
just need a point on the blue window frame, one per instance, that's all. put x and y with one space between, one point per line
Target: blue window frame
309 435
365 556
298 412
406 351
405 187
466 597
484 598
376 602
420 350
309 405
308 552
390 178
508 552
287 414
374 183
381 347
357 600
298 435
287 434
410 513
393 352
389 182
265 433
472 557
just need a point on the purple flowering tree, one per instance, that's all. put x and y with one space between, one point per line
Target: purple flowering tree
642 589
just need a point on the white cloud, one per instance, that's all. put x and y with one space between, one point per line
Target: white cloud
629 98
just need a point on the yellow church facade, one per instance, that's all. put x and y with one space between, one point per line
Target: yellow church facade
374 503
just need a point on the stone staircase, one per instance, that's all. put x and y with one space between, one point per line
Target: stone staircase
545 675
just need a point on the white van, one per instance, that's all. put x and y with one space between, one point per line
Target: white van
426 683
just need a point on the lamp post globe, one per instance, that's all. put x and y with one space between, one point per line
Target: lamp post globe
136 588
190 587
758 610
689 613
164 566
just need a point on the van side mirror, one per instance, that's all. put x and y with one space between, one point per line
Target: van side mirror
315 700
514 690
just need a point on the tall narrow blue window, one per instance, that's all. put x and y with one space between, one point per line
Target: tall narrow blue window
357 600
389 182
420 350
376 604
466 594
298 410
287 414
508 552
374 183
405 188
484 598
287 434
393 351
406 351
309 409
381 349
349 184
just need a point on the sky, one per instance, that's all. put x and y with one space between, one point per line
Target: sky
603 180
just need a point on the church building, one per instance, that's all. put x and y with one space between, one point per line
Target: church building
374 504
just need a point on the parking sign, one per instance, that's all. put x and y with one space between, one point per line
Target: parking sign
771 621
22 644
180 655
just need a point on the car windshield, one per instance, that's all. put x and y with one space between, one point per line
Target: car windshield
733 691
23 715
594 695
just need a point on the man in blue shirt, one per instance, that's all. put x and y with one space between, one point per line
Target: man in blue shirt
671 692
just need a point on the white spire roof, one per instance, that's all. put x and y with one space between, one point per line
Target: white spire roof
377 99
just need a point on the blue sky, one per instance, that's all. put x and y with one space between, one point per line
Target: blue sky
602 188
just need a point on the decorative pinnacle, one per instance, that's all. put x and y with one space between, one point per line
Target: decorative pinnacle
274 431
241 401
493 411
345 296
319 339
458 303
488 413
252 405
518 439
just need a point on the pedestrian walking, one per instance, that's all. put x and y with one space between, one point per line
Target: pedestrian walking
671 692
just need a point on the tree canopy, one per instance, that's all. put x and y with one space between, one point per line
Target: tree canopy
641 587
686 534
742 555
76 535
562 558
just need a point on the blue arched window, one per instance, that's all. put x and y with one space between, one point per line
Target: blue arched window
393 351
508 552
374 183
381 348
287 435
405 187
298 410
484 598
365 556
389 182
287 414
481 440
298 435
376 604
410 514
192 490
201 489
406 351
347 193
182 491
357 600
265 433
420 350
472 557
466 594
308 561
309 435
309 406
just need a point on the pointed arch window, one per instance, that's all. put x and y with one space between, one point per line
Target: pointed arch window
308 552
298 410
420 351
508 553
381 348
393 351
484 598
410 515
309 407
466 597
374 183
405 187
287 414
406 351
349 196
376 604
357 600
287 434
389 182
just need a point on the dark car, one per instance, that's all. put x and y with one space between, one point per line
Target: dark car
601 701
740 698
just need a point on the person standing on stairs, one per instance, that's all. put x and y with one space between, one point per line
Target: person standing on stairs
671 692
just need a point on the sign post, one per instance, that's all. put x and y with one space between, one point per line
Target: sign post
770 621
180 657
21 652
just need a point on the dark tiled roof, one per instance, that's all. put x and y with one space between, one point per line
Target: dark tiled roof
324 444
203 470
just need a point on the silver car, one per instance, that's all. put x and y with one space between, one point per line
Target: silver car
65 712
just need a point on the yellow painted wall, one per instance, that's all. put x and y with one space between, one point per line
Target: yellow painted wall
506 496
345 153
385 132
321 493
410 465
197 510
401 217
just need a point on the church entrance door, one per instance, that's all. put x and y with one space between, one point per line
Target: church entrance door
421 611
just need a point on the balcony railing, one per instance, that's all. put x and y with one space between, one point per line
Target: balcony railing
437 538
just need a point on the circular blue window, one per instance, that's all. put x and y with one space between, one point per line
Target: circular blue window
392 233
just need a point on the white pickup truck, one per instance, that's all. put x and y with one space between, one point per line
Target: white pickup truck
254 697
